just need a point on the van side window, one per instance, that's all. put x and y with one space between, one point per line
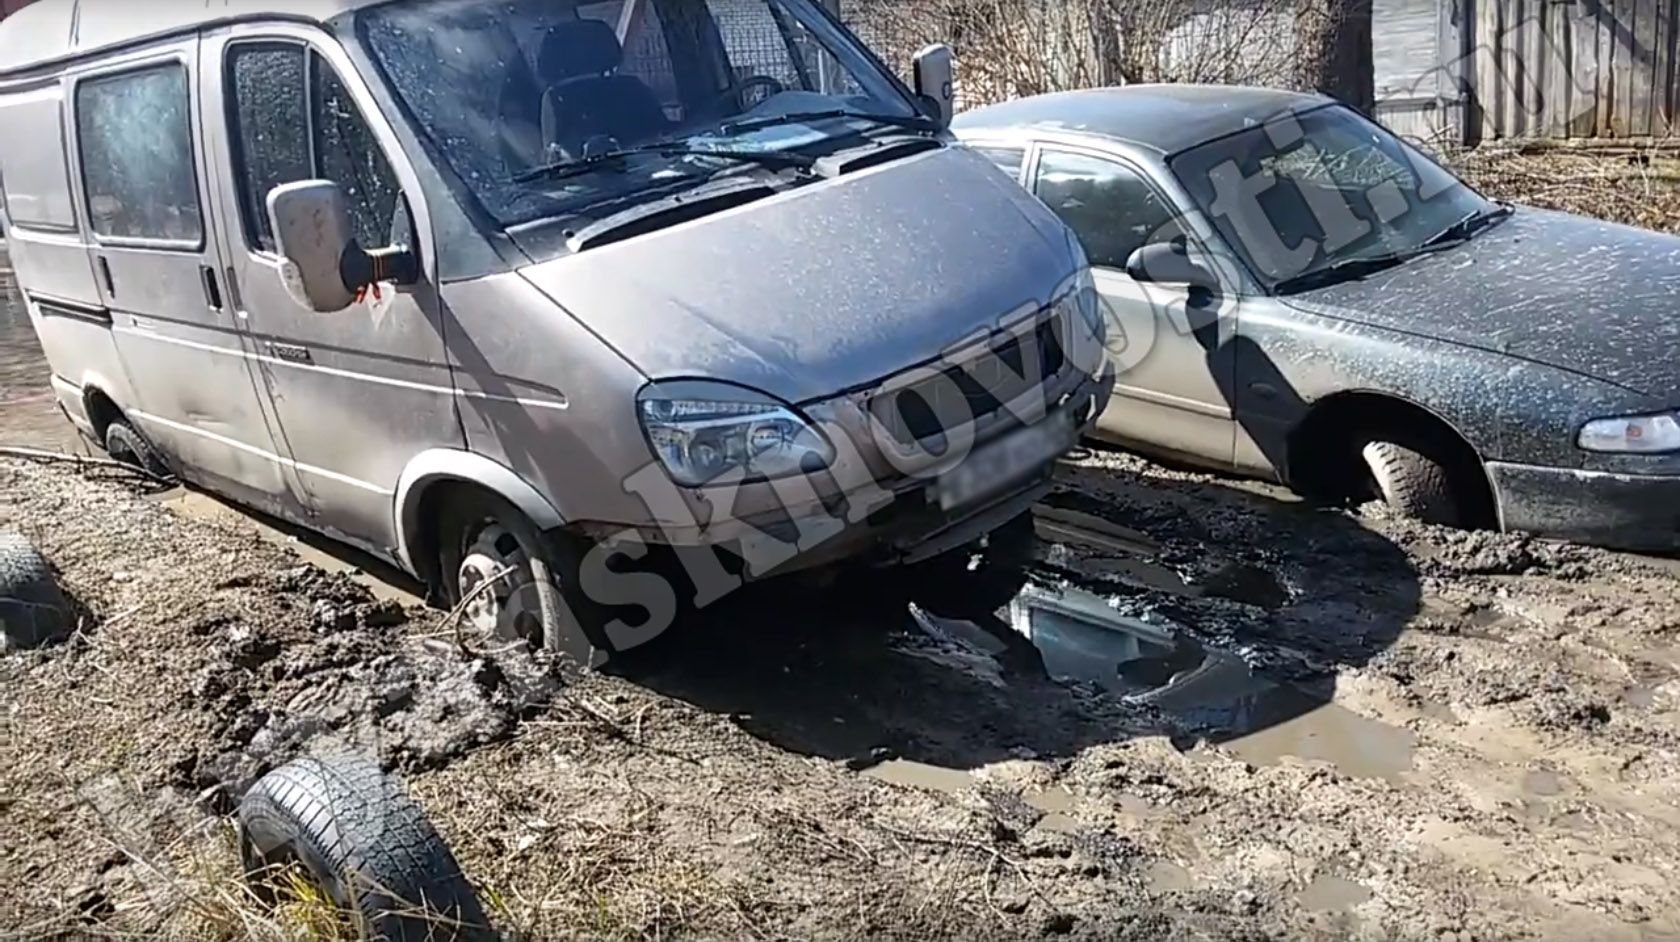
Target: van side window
269 112
347 153
135 132
293 119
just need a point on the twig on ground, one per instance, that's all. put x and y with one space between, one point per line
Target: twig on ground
80 461
997 856
452 621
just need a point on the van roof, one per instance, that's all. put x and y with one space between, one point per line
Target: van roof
49 31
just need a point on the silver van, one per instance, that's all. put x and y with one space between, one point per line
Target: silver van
606 305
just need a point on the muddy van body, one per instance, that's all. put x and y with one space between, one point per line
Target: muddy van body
495 288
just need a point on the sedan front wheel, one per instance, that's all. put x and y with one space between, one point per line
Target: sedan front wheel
1413 482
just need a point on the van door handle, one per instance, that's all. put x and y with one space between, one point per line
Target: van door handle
105 275
233 299
212 290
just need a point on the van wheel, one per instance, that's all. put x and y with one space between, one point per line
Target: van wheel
124 443
366 844
532 593
974 581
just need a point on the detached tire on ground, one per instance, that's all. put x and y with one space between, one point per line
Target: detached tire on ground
975 581
33 610
1413 482
365 843
125 444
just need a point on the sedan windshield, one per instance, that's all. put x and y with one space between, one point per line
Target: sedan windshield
1326 193
508 91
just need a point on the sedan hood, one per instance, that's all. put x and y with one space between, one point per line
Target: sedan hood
1591 297
824 288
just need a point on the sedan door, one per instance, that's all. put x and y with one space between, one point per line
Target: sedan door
1174 387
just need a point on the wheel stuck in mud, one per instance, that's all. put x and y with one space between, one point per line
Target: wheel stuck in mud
124 443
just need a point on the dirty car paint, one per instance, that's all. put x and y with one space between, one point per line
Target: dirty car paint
1594 298
824 288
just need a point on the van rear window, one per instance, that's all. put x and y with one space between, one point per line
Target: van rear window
35 175
135 133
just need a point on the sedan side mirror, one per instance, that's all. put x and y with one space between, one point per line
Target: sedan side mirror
1170 263
934 74
324 267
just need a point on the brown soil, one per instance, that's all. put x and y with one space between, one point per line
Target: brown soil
1457 736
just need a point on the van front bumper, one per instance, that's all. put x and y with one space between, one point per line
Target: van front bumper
904 524
1634 512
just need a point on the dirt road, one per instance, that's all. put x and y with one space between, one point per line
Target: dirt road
1298 724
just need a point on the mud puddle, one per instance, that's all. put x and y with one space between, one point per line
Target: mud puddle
1055 805
1330 893
1207 694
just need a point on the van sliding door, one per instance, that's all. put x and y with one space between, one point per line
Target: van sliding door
158 269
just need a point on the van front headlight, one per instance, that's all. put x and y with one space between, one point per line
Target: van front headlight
1633 434
1085 326
705 432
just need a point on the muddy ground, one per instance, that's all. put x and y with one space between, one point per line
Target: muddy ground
1297 724
1409 734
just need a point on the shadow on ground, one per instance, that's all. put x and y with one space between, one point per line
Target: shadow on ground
1233 612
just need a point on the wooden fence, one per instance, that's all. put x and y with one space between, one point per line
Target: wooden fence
1457 72
1567 68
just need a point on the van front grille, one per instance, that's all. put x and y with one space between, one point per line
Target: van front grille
971 390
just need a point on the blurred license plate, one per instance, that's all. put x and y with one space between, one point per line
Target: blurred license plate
998 464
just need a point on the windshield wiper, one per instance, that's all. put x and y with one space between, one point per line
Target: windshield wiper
1344 270
617 156
1370 264
1467 226
917 122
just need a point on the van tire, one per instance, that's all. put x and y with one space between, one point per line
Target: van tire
557 616
33 609
973 582
124 443
1413 482
362 841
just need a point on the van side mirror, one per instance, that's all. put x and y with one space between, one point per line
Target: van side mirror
1170 263
324 267
934 73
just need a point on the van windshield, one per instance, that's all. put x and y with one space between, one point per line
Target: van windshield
506 87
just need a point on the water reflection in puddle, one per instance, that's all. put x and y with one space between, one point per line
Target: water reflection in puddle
1211 692
1330 893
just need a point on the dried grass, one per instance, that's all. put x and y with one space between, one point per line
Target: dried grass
1637 186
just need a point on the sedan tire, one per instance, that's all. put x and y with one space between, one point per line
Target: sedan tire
1413 483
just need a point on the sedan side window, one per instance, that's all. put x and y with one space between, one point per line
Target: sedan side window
1111 208
1008 159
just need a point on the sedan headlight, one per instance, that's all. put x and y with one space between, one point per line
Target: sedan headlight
1638 434
702 431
